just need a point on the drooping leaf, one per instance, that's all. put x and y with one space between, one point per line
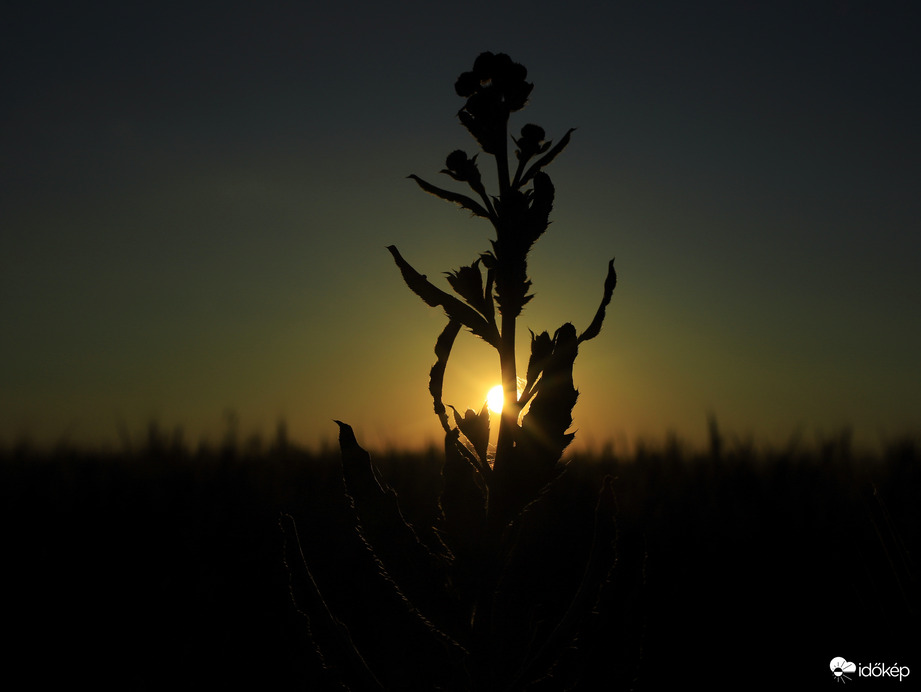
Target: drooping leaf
547 158
443 346
454 308
595 327
455 197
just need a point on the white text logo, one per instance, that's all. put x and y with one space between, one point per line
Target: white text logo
841 668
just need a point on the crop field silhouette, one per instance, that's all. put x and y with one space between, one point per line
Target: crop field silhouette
164 567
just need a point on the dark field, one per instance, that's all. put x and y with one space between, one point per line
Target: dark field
163 569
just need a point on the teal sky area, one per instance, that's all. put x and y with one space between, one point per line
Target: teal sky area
196 198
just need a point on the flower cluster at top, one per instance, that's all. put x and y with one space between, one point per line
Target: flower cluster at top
494 88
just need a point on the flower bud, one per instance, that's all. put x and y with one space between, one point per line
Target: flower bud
533 133
483 66
457 160
461 168
466 84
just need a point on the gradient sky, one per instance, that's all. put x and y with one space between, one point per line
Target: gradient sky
196 200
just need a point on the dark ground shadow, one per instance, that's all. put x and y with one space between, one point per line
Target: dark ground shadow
153 571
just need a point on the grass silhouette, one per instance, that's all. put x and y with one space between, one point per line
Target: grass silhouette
163 567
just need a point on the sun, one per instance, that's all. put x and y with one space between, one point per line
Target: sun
495 398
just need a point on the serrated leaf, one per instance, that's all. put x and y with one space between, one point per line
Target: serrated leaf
538 216
463 509
334 644
455 197
541 350
543 430
490 308
407 560
467 282
454 308
475 427
480 130
596 577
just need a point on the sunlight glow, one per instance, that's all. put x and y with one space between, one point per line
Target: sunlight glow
494 399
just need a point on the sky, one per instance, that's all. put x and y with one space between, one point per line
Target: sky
196 199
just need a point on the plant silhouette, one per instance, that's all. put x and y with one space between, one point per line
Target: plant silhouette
472 595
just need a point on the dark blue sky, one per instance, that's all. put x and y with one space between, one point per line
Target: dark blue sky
195 203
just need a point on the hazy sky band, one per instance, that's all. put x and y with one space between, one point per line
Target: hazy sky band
196 202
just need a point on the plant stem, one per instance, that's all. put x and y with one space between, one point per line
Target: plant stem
502 169
509 419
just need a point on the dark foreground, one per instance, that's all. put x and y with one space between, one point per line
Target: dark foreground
162 569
